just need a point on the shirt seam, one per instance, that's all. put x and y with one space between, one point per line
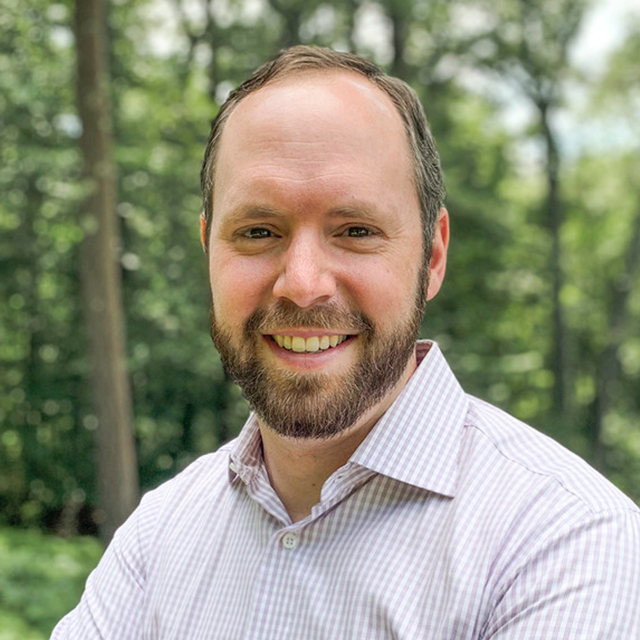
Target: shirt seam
548 475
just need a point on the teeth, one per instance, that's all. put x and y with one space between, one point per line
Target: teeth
312 344
308 345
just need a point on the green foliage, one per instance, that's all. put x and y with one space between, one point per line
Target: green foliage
41 579
170 72
42 360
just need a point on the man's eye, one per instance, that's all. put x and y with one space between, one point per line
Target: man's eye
257 232
357 232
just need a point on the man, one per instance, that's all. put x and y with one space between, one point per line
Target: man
367 496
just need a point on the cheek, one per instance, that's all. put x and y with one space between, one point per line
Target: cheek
238 287
385 293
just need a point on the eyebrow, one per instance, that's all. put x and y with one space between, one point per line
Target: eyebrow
244 213
362 211
253 212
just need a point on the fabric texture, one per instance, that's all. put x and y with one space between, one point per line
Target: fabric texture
451 521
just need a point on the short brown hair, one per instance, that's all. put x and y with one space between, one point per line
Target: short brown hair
427 172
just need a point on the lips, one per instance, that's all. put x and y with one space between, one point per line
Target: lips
312 344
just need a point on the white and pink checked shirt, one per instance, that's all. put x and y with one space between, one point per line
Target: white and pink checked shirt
451 521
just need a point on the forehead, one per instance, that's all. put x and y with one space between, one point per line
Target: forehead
321 92
312 125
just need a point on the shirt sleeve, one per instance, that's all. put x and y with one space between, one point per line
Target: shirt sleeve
112 603
583 584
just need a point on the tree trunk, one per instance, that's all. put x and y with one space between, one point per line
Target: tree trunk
608 372
291 14
101 278
212 36
350 26
400 14
559 364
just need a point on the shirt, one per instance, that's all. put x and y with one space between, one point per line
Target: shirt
451 521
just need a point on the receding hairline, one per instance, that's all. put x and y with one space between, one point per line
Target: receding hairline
378 95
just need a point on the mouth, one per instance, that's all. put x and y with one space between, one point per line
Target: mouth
312 344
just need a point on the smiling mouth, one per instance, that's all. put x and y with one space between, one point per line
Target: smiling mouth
309 345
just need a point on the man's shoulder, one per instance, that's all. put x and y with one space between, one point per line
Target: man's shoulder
530 453
199 481
204 469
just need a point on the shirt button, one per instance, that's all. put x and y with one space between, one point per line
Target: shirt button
290 540
233 467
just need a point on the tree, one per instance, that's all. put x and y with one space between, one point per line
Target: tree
101 286
618 96
532 40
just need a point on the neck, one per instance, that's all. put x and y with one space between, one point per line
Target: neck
299 467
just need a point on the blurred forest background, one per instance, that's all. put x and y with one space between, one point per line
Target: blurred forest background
108 381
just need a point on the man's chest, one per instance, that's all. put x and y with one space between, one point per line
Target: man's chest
369 568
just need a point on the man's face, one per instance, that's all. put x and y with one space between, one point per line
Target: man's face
315 252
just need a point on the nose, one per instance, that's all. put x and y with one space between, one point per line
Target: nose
305 276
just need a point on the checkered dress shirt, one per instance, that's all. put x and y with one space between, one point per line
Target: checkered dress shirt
451 521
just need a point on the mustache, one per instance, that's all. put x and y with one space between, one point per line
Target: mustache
287 314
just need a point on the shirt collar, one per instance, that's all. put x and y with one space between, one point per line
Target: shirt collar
416 440
246 455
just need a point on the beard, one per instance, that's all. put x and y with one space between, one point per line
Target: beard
317 405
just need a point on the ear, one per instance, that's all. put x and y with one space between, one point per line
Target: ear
438 262
203 232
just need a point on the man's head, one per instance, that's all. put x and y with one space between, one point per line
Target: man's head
428 180
316 250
